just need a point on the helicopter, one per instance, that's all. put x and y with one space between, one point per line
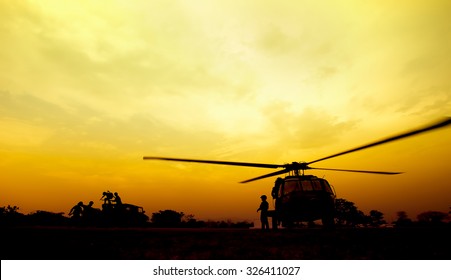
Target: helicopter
306 198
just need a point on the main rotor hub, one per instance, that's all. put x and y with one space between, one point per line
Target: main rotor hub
297 166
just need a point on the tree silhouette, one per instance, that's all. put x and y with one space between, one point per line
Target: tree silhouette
362 219
9 210
403 220
46 218
346 213
167 218
432 217
377 218
10 215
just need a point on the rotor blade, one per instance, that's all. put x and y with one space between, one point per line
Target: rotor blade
439 124
250 164
359 171
267 175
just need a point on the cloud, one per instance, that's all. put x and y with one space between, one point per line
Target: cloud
115 60
307 130
433 101
216 68
83 131
17 133
276 42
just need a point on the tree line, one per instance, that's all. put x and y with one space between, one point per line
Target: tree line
11 216
347 214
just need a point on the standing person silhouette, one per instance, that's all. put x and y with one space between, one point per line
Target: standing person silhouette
87 210
276 188
76 212
264 206
118 203
117 199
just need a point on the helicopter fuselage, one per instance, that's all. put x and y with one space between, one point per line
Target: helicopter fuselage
303 198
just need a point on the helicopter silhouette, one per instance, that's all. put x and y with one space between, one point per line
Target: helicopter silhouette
306 198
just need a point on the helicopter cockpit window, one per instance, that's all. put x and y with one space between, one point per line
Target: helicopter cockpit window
327 187
317 186
307 186
291 186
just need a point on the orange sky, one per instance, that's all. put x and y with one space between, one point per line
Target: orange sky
88 89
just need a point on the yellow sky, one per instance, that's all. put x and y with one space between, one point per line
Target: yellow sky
89 87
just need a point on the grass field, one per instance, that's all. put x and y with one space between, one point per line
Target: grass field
44 243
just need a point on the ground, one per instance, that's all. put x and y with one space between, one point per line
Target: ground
70 243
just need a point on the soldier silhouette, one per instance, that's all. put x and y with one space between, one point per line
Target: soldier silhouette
107 197
117 199
76 212
275 189
117 204
88 212
264 206
89 206
87 209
